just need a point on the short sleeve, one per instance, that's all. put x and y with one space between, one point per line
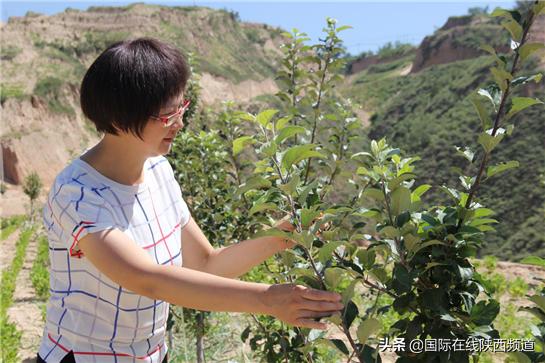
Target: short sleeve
77 210
186 215
183 210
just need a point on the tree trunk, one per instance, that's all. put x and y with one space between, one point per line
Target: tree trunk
200 337
31 211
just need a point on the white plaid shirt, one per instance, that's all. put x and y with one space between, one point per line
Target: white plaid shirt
88 313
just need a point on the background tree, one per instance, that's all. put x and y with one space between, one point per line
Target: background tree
32 187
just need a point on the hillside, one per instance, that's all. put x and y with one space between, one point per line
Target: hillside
416 97
427 112
43 59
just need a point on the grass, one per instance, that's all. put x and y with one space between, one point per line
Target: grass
9 52
10 337
10 225
8 90
222 341
50 88
39 274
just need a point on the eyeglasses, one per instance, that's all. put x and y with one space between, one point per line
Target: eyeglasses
175 117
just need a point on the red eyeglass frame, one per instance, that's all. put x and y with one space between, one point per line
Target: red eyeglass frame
166 120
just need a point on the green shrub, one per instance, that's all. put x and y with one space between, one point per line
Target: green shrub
490 262
517 287
10 225
50 88
10 91
39 274
10 335
9 52
396 49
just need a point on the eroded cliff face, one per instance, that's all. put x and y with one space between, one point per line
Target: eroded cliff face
43 59
461 37
36 139
458 39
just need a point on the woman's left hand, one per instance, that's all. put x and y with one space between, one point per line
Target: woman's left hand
285 225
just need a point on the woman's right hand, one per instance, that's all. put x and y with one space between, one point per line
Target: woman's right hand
299 305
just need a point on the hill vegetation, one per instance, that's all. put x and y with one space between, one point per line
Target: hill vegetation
427 112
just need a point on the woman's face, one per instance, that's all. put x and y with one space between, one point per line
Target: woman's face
156 136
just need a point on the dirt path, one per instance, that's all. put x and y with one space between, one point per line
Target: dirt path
8 249
25 311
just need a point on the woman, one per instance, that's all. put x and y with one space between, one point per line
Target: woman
122 242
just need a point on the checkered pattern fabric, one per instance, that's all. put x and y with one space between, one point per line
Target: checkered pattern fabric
87 312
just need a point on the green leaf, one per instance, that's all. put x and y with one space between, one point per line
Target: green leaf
501 12
525 79
374 193
533 260
534 311
245 116
326 251
367 328
484 313
392 184
344 27
400 200
411 241
349 314
539 301
308 215
467 153
367 213
255 182
481 221
539 8
362 153
495 169
402 281
489 142
366 257
300 152
514 28
380 274
348 292
304 238
481 111
240 143
339 344
520 357
521 103
419 191
291 186
288 132
268 149
487 48
264 117
427 244
282 122
374 147
483 212
403 218
501 76
493 93
259 207
527 49
333 276
389 232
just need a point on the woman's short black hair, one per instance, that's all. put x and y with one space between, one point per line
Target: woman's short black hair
129 82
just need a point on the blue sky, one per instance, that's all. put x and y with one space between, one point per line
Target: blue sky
374 23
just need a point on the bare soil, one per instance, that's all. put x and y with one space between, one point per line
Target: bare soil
25 311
